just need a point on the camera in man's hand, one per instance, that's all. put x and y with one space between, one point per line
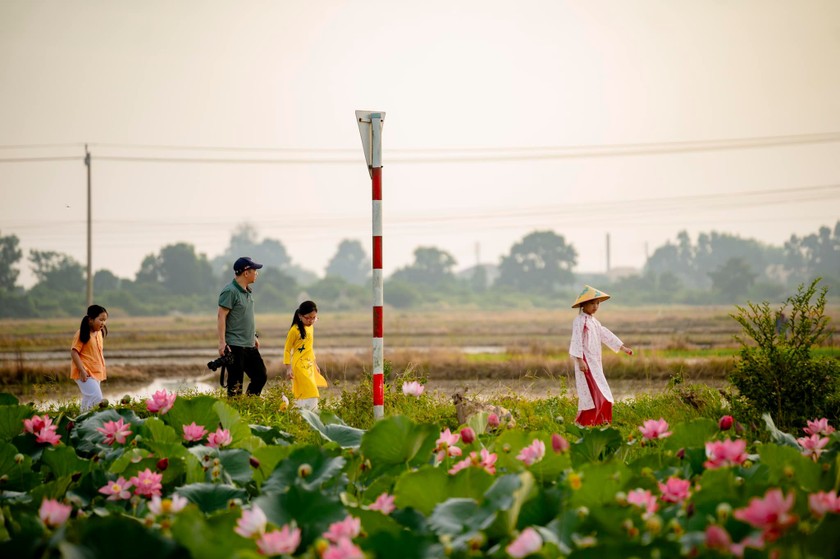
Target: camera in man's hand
225 360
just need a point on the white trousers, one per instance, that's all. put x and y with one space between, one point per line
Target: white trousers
91 393
307 404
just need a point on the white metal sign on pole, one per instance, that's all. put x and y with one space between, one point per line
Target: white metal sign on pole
370 127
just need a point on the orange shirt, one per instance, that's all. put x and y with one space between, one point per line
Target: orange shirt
92 357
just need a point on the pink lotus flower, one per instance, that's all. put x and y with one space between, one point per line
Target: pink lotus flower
725 423
36 423
468 435
161 402
413 388
718 538
279 542
159 506
446 445
384 504
655 429
812 446
47 435
675 490
821 503
527 543
348 528
53 513
559 443
147 483
117 490
532 453
251 523
643 498
218 439
343 549
487 461
492 420
725 453
193 433
115 431
816 427
771 514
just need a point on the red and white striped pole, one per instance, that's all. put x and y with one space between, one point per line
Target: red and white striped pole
370 128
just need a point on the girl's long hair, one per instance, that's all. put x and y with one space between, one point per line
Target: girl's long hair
305 308
84 328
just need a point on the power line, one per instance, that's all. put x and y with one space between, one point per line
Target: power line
297 156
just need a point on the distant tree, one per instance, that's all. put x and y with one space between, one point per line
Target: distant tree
815 255
10 254
401 294
56 271
540 262
478 279
276 291
432 267
733 279
105 280
244 242
350 263
179 269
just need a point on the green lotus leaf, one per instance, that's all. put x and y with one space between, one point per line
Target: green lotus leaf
460 516
309 467
212 536
272 435
236 465
156 430
211 496
186 411
101 536
267 459
596 445
7 399
691 434
398 441
63 461
312 511
55 489
411 545
600 481
11 420
21 477
335 431
425 488
783 461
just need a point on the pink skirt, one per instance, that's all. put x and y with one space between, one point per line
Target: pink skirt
602 412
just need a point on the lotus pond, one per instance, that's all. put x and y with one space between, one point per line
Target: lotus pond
189 477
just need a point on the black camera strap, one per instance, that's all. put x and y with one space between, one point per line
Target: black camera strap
222 371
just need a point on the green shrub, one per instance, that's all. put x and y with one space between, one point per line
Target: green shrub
777 372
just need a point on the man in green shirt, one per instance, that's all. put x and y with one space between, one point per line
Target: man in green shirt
237 329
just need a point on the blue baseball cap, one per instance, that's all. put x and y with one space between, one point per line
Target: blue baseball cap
245 263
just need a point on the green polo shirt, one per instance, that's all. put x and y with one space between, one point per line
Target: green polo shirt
240 326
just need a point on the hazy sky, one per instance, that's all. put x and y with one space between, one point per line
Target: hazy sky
633 118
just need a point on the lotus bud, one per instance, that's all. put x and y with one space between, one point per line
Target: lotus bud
70 425
304 471
559 443
493 420
725 423
254 462
467 435
723 512
126 400
681 453
654 524
162 464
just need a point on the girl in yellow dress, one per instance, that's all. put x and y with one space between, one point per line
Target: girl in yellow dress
299 357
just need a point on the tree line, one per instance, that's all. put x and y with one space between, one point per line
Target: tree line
539 270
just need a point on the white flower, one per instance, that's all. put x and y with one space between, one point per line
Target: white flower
413 388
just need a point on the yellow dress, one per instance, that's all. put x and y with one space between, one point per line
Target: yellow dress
301 354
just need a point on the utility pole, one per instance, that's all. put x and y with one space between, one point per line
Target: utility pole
370 128
89 233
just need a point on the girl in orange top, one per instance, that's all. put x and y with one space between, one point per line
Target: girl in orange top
87 363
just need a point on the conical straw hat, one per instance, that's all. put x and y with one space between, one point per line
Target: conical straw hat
589 293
